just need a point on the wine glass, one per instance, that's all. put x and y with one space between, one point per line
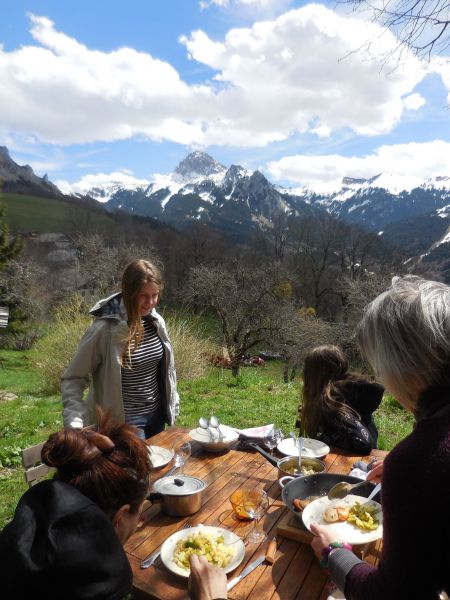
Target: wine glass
181 452
256 535
273 438
270 441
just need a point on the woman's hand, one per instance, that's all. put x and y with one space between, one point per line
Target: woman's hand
376 473
206 582
322 538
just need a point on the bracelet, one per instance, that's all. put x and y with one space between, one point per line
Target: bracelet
326 551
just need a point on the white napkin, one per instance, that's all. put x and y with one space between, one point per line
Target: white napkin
254 433
358 473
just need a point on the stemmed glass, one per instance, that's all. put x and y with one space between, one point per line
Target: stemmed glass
273 438
256 535
181 452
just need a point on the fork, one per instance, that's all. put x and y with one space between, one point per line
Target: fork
148 562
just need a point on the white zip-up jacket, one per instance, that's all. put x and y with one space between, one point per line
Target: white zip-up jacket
98 358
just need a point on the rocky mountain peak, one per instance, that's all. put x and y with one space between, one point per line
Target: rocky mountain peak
4 153
22 179
199 164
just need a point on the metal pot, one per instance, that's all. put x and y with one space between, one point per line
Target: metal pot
180 496
286 463
316 485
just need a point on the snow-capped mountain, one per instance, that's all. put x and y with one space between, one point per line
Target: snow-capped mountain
408 212
233 200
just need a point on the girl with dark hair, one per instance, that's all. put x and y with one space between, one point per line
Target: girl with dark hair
128 354
65 540
337 406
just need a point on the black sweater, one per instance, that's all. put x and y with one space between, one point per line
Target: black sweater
60 545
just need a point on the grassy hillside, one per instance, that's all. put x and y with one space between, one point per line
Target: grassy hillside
257 397
47 215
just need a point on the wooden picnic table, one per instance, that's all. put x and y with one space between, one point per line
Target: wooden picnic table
295 573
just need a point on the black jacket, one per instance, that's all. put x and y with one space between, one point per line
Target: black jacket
60 545
350 433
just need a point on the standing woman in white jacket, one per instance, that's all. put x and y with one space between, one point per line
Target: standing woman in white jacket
128 356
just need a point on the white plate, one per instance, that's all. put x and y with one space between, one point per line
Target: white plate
159 456
342 531
311 448
168 547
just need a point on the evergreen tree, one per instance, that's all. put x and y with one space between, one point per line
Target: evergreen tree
9 248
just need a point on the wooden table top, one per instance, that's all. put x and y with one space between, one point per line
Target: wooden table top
295 573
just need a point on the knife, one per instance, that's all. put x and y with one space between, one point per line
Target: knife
251 567
374 492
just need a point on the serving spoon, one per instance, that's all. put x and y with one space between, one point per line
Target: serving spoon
204 425
214 422
342 489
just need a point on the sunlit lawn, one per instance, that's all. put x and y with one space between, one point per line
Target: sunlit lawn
258 396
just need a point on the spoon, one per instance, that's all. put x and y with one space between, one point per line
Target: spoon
342 489
204 425
298 443
214 422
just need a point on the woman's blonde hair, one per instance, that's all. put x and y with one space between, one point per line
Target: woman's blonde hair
136 274
405 336
323 367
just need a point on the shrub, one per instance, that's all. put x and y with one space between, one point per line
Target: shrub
190 346
56 348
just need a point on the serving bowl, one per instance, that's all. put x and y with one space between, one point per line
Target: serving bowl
219 443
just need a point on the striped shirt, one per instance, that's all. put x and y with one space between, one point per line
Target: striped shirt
140 392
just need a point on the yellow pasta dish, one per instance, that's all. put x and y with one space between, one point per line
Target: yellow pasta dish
212 547
362 516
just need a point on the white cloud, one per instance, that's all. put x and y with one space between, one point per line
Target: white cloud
416 160
278 77
414 101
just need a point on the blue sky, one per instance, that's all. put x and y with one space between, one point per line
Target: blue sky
291 88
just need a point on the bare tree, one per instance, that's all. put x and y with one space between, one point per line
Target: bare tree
298 334
422 26
249 301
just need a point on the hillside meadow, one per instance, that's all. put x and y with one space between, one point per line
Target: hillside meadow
43 215
258 396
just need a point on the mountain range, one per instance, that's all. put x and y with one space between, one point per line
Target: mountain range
406 212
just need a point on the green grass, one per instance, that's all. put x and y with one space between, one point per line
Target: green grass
47 215
258 396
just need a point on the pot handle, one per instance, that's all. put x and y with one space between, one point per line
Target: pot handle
155 497
267 456
282 480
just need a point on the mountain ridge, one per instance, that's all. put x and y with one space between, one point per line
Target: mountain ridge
406 211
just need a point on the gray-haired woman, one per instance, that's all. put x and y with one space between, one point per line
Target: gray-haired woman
405 335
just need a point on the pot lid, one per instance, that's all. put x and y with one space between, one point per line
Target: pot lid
181 485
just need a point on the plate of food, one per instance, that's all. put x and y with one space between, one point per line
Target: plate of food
352 519
311 448
221 547
160 456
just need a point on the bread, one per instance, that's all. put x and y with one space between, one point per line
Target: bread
333 514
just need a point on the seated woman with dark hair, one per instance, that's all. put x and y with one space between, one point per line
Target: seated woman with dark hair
65 540
337 406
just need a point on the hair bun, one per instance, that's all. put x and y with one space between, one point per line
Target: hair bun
103 443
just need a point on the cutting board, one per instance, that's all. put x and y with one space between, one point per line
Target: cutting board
291 527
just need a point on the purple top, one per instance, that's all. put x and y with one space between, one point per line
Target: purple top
415 560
